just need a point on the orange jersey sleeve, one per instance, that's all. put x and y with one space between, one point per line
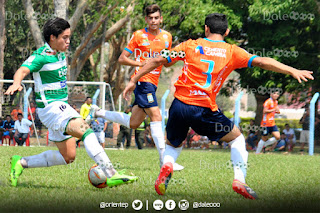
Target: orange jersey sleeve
268 118
207 64
144 46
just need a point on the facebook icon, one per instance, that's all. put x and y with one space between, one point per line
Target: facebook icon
170 204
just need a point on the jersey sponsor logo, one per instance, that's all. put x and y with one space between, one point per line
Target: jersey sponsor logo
199 49
198 92
215 52
144 35
150 98
154 72
63 72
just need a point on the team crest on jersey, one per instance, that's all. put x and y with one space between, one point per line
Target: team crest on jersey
63 84
145 42
150 98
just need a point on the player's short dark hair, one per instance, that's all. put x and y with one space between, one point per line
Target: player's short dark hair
54 27
19 114
217 23
87 98
8 116
152 9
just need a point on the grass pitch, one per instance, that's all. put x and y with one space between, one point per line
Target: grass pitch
282 182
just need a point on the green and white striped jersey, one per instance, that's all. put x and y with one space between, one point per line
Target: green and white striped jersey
49 73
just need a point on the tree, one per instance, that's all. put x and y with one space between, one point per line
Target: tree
2 46
90 39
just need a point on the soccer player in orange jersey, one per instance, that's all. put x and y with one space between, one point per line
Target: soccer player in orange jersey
268 125
208 61
144 45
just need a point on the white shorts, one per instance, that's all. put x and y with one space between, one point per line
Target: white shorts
56 117
100 136
304 136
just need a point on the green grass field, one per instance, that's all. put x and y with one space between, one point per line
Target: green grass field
282 182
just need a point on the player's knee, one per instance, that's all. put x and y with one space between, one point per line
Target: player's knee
134 125
70 157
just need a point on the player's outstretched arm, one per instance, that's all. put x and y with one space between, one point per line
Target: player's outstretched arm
20 74
151 65
125 60
276 66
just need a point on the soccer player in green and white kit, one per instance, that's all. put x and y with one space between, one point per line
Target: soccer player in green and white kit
49 68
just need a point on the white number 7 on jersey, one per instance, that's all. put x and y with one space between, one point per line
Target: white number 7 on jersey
208 74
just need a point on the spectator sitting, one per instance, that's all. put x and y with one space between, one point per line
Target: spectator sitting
291 137
281 145
8 127
21 126
15 111
252 135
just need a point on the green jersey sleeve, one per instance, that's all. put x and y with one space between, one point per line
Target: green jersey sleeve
35 62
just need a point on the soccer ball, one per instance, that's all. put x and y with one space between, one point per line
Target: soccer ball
173 54
165 53
97 177
181 54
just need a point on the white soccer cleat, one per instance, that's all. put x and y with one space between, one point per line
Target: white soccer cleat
177 167
92 114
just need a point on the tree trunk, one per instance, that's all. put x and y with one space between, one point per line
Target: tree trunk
33 23
259 111
60 8
2 45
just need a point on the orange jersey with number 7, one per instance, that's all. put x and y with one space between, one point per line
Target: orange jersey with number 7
207 64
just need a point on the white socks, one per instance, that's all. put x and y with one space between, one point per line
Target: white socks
171 154
54 157
263 143
44 159
158 138
239 158
270 141
117 117
97 153
260 146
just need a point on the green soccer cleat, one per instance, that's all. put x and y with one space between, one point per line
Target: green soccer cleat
120 178
16 169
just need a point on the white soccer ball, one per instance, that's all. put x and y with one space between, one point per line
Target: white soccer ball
97 177
173 54
165 53
181 54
